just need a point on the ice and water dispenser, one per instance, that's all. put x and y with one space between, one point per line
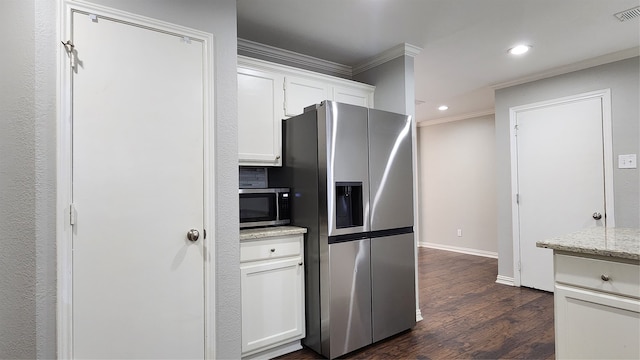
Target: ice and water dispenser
348 204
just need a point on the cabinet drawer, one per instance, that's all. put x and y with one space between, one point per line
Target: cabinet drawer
270 248
623 278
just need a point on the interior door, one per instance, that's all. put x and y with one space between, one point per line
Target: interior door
560 180
138 282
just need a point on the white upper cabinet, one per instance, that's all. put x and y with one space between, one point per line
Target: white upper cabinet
353 95
260 112
268 93
301 92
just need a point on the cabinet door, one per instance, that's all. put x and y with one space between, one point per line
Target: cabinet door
353 96
300 93
260 114
593 325
272 303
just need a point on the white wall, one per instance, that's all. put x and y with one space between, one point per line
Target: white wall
27 168
18 281
622 78
395 87
457 186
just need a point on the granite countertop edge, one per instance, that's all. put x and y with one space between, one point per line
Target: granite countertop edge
266 232
610 242
591 251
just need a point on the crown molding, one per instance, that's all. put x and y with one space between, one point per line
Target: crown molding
387 55
252 48
466 116
581 65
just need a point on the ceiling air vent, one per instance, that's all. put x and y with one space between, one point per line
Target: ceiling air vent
628 14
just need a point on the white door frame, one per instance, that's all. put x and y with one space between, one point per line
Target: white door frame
605 96
64 230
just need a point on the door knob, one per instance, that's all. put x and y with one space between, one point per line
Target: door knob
597 215
193 235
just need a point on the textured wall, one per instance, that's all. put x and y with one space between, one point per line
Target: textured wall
622 78
17 182
458 185
46 45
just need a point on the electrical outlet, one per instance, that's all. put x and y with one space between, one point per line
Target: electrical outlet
459 232
627 161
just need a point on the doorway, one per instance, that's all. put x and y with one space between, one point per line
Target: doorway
561 177
134 177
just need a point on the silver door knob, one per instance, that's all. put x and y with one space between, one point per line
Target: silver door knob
193 235
597 215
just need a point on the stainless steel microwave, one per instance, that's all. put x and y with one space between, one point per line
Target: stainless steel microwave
264 207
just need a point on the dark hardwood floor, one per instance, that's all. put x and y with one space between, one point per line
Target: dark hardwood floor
467 316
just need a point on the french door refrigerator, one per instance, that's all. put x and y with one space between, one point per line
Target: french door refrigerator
350 173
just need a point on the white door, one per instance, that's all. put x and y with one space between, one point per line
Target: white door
138 282
560 180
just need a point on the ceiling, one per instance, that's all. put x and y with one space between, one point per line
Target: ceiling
464 42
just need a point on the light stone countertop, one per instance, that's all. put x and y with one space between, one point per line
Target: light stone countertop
613 242
263 232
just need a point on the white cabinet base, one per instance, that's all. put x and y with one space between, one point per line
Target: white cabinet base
592 325
272 309
276 351
596 308
272 285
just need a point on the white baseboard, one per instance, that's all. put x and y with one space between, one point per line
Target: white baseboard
276 351
476 252
505 280
419 315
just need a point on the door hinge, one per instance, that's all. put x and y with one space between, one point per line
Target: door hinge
518 199
73 214
204 231
519 266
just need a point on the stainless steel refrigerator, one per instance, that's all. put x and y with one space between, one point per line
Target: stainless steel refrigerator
350 173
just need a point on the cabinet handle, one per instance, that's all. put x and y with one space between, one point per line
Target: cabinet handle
273 250
277 157
605 277
300 263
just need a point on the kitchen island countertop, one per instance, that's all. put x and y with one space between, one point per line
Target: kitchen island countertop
612 242
257 233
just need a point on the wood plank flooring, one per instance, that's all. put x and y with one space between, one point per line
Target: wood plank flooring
467 316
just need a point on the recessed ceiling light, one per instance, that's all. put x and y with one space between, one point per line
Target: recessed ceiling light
519 49
443 107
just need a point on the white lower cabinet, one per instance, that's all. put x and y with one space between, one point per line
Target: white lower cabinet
272 284
597 308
